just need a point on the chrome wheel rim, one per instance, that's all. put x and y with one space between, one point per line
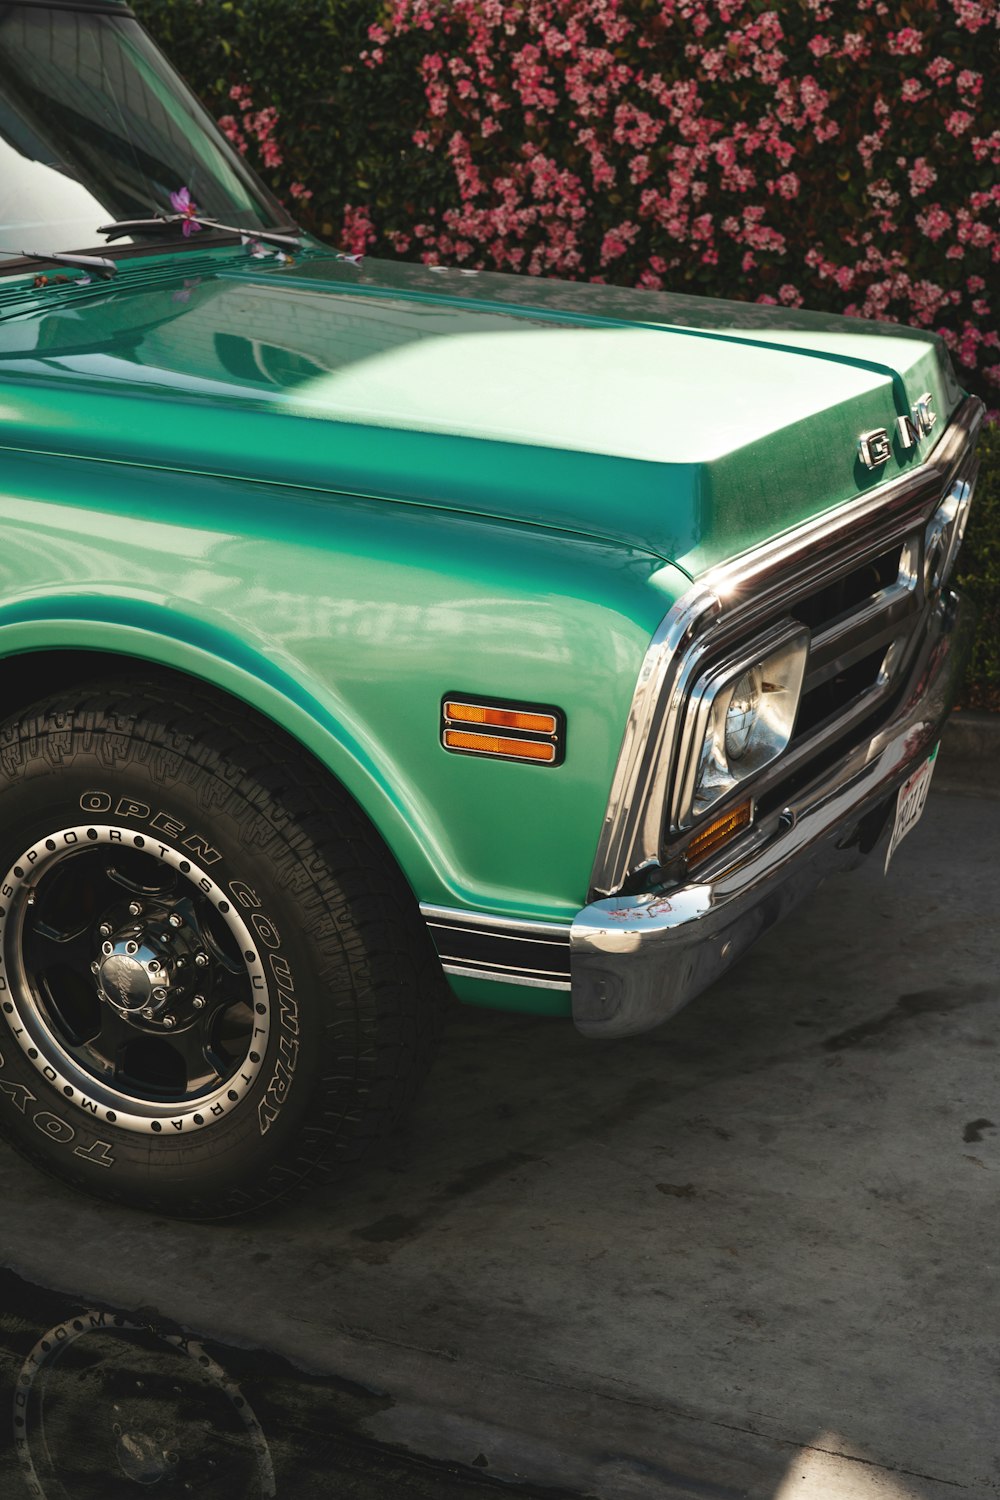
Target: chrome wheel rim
130 980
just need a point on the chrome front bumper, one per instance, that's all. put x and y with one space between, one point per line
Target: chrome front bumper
635 960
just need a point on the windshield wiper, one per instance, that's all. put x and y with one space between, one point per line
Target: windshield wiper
96 263
170 221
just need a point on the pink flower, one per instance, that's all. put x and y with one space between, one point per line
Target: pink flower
922 176
958 121
970 14
358 232
854 46
907 41
182 204
617 241
934 222
986 146
940 70
227 124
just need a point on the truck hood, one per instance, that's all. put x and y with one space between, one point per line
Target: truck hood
689 428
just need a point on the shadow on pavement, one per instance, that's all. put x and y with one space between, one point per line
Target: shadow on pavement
96 1405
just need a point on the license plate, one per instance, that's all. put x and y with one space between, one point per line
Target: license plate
910 803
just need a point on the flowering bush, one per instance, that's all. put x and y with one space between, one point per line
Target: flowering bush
270 71
838 154
257 126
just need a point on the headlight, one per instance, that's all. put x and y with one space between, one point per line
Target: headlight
944 534
742 716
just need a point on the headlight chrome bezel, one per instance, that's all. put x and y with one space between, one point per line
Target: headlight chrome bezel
706 774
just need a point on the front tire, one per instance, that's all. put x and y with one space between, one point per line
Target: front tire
215 986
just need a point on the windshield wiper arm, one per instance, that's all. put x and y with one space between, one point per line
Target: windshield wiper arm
95 263
171 221
266 236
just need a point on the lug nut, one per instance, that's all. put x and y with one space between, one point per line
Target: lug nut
105 929
153 966
201 959
107 948
148 1013
131 947
159 993
95 967
135 908
198 1002
176 920
169 1022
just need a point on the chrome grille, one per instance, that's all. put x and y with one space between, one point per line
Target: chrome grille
856 578
859 626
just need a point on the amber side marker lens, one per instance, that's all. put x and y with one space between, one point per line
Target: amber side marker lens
492 744
500 718
718 833
533 732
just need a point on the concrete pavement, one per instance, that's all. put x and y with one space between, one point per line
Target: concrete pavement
753 1254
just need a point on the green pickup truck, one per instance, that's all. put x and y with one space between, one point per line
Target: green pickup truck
375 636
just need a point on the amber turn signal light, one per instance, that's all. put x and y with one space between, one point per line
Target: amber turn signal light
531 732
491 744
715 835
500 718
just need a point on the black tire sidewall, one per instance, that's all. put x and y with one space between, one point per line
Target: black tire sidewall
246 855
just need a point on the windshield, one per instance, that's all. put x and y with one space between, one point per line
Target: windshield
95 125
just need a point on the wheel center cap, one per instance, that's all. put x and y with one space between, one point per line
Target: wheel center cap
125 982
